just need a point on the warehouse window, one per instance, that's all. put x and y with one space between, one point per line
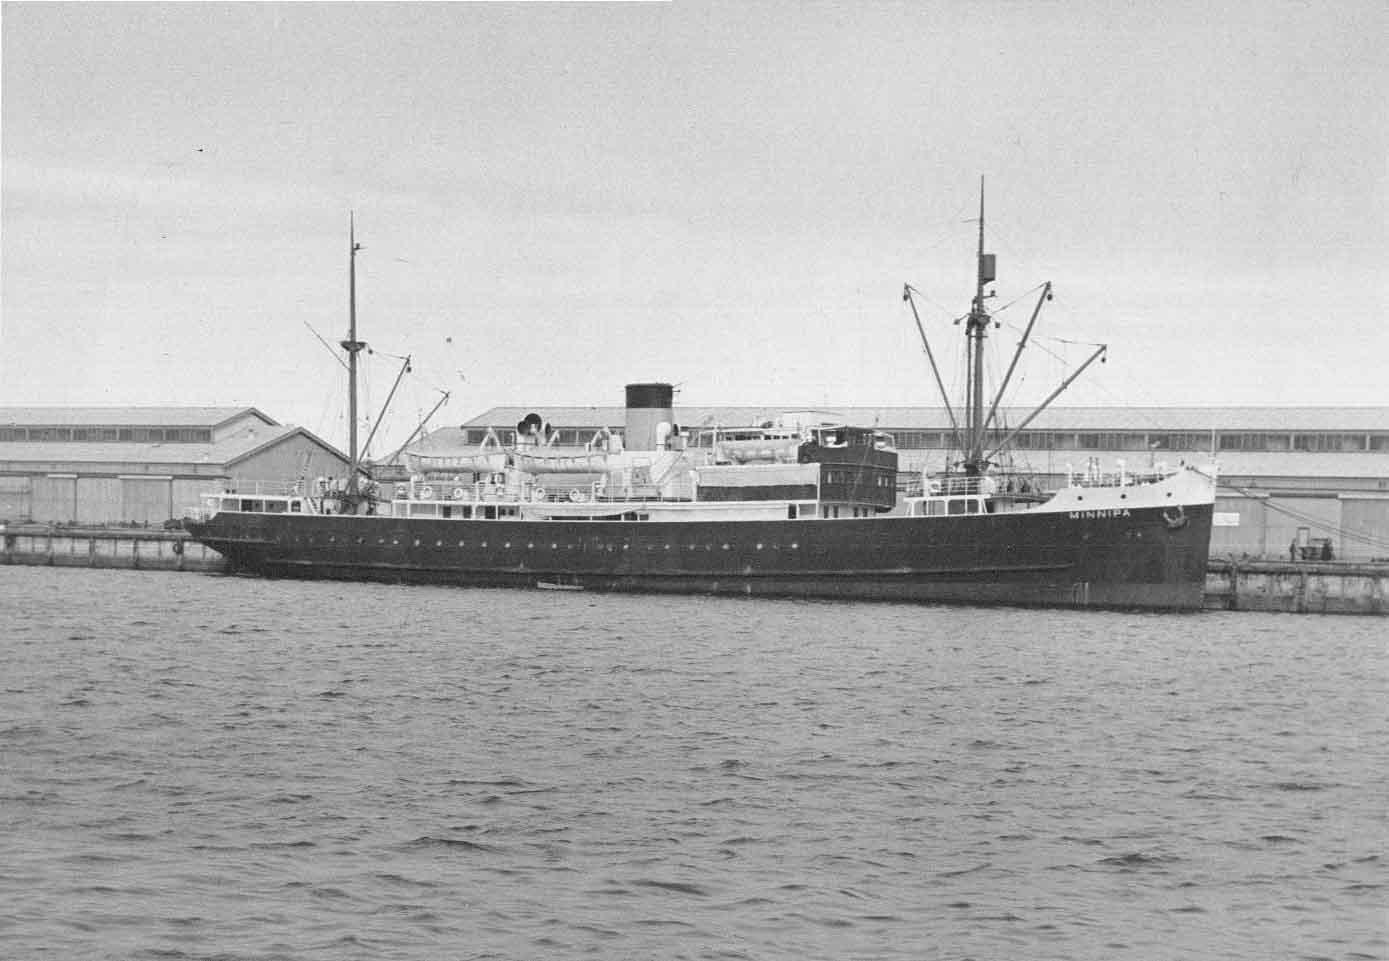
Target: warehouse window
1180 441
1329 442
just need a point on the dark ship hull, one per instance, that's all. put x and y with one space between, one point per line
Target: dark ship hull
1143 558
782 508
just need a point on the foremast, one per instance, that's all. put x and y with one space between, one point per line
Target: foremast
972 439
353 346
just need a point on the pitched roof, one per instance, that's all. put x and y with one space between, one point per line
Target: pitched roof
1327 419
226 453
125 416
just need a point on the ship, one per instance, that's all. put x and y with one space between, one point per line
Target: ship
797 506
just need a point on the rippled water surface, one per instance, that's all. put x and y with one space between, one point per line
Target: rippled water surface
211 767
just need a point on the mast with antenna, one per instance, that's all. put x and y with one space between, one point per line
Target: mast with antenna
353 346
976 329
972 434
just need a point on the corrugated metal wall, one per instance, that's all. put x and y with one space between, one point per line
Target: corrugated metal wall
1320 515
54 499
147 500
285 461
16 502
1366 524
98 500
1247 537
1269 525
188 494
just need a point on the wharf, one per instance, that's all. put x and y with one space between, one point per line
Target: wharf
133 548
1297 587
1232 584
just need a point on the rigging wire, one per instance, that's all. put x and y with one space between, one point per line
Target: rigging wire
1310 520
1036 341
1017 299
330 348
1346 533
364 412
945 312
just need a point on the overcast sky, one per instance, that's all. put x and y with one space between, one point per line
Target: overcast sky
558 199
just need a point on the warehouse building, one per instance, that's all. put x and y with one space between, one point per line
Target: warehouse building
144 465
1310 476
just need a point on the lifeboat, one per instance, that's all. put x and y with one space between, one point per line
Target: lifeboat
757 447
478 462
549 460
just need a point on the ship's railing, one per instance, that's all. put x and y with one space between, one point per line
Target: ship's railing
212 499
261 489
485 492
1093 476
960 485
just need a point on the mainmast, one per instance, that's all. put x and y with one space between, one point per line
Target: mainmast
976 329
352 345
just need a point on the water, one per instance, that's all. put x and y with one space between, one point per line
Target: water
209 767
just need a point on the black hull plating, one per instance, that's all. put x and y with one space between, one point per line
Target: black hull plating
1138 559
